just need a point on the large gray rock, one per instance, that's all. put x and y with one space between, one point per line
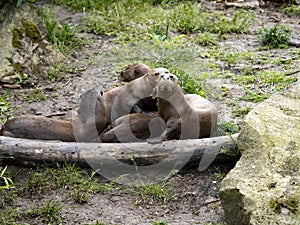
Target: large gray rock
264 186
24 54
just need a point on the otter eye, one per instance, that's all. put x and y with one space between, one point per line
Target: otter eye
171 76
167 71
156 74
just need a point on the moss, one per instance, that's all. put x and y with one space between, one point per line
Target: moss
32 31
17 35
291 204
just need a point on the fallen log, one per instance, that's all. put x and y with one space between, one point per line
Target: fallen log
141 153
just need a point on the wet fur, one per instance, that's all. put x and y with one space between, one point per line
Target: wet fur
38 127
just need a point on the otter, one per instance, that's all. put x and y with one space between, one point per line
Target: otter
133 71
134 127
95 113
186 116
38 127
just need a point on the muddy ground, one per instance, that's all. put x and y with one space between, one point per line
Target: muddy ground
196 199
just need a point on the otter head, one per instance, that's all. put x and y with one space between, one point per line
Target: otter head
167 83
133 71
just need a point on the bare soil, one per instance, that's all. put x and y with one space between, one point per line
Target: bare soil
196 193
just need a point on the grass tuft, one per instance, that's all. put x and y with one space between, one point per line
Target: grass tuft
276 37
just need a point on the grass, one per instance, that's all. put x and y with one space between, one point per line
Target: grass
5 109
79 183
49 212
262 84
240 112
35 95
154 193
64 36
277 36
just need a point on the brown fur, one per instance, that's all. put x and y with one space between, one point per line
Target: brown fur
38 127
133 71
95 113
186 116
133 128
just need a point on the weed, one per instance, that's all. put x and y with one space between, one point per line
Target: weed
9 216
95 223
239 23
49 212
16 3
240 112
79 183
160 223
154 193
186 18
206 39
7 194
5 110
276 37
5 182
254 96
35 95
292 9
229 128
64 37
261 84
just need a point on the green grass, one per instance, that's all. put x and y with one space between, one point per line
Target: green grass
79 183
49 212
240 112
35 95
260 85
229 128
9 217
276 37
5 109
292 9
160 223
154 193
64 36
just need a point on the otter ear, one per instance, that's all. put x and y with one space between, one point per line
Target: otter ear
179 81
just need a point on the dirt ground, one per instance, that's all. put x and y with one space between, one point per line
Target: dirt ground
196 198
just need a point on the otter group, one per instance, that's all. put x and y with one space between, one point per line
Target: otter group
150 107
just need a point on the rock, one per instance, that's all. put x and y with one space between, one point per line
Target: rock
264 186
242 3
25 54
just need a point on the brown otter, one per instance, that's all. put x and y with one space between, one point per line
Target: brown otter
38 127
134 127
133 71
186 116
95 113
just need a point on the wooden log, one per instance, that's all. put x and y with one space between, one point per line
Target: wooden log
142 153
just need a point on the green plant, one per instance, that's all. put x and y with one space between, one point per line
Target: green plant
9 216
50 212
35 95
254 96
16 3
206 39
160 223
5 182
261 84
186 18
276 37
239 23
154 193
64 36
240 112
5 110
292 9
80 183
229 128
